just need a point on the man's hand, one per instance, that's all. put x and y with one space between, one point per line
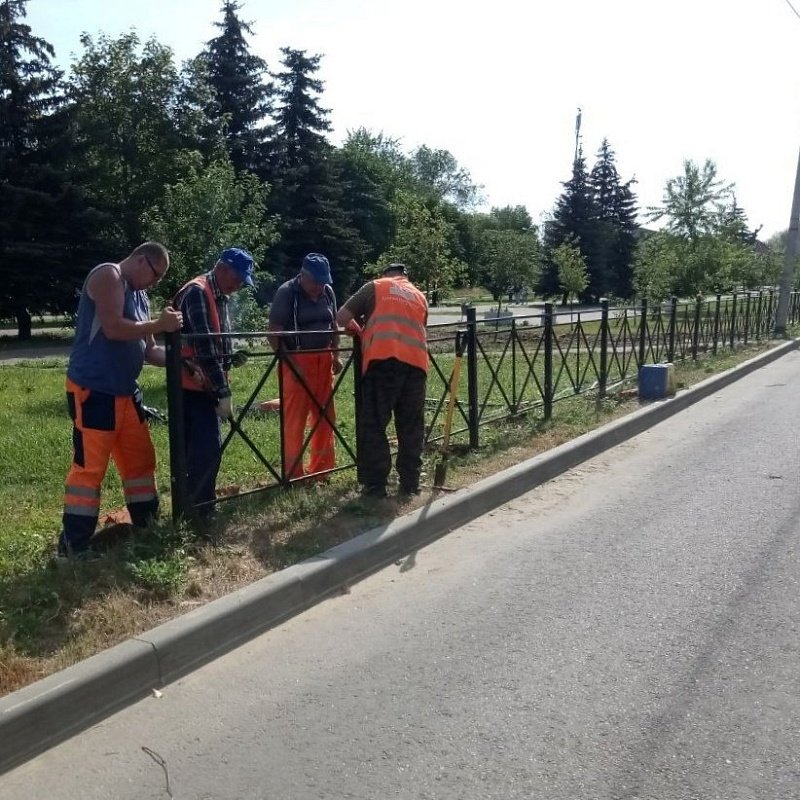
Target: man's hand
338 366
197 375
169 321
224 408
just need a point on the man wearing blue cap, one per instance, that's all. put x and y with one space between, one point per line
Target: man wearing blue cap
307 304
207 360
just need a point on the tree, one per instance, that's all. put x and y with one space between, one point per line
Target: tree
209 209
422 242
46 228
508 251
197 114
656 265
611 265
126 128
573 276
776 247
573 219
511 218
510 259
692 202
717 250
440 173
371 169
243 95
307 190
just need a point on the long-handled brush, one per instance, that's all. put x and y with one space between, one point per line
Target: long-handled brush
440 474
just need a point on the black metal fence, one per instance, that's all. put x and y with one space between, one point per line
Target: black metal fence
514 366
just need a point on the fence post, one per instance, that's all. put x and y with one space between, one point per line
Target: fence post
747 318
548 360
771 310
513 365
357 365
281 410
673 317
759 315
698 308
643 332
603 377
178 479
716 323
733 322
472 376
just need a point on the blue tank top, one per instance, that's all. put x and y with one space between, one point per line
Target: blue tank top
99 363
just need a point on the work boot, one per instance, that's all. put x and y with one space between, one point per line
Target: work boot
374 490
408 489
66 555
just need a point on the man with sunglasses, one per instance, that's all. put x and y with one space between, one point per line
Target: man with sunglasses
114 337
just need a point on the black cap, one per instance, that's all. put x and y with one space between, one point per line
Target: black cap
401 268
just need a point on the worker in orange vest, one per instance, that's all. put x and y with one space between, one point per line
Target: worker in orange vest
307 304
392 315
114 337
207 360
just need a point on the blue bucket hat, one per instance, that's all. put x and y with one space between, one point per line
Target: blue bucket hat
317 266
241 261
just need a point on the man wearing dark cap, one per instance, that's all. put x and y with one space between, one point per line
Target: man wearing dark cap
391 316
207 361
307 304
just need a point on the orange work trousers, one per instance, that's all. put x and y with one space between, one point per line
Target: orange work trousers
106 427
300 411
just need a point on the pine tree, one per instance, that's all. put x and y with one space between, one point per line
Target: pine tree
611 262
573 219
307 190
243 95
46 229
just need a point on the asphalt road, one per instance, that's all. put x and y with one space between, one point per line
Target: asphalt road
629 630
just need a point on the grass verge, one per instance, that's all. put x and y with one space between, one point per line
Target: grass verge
54 615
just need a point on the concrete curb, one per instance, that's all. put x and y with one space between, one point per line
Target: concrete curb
39 716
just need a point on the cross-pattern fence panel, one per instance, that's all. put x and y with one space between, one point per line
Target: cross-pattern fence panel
513 366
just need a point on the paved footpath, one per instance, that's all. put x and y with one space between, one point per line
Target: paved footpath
628 630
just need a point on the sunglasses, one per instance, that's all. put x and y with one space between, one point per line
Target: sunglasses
156 274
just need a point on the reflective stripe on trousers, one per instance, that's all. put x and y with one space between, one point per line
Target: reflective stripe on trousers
106 427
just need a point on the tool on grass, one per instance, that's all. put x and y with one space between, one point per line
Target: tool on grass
440 474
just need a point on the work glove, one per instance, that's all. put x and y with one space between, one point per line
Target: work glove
224 408
239 358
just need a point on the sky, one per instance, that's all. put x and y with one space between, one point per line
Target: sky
498 84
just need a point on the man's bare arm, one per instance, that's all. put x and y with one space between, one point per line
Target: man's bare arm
107 289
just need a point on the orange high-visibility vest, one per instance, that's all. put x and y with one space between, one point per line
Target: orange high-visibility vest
188 350
396 328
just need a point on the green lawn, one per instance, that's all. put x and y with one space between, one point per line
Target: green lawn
51 616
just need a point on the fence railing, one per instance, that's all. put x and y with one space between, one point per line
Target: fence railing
514 366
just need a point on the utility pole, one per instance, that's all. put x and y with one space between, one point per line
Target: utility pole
789 260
